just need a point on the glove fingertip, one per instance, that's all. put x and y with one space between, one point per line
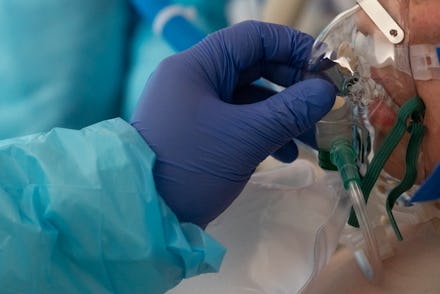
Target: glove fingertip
287 153
321 98
318 95
321 91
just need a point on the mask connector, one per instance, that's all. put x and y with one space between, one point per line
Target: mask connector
337 140
343 157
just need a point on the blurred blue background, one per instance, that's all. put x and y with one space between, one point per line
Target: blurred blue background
73 63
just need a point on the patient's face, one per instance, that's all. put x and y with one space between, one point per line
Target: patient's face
425 22
422 21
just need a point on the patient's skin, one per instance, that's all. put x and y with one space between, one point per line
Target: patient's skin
421 21
414 268
425 25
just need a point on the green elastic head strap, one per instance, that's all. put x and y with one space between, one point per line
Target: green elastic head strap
409 119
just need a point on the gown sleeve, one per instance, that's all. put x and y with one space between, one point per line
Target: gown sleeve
79 213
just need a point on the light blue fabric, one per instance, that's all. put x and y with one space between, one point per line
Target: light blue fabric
148 49
147 52
62 63
79 213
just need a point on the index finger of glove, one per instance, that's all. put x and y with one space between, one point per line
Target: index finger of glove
270 50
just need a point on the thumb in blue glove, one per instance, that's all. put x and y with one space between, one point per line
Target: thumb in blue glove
208 126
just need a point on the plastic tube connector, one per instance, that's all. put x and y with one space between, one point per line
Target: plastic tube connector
344 157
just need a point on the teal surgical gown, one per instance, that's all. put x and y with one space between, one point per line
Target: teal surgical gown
62 63
71 63
79 213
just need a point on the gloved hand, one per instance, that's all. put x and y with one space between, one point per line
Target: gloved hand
210 128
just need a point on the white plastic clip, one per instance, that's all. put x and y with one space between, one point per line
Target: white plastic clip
386 24
170 11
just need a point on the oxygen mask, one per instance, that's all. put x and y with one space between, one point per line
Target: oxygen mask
379 117
365 52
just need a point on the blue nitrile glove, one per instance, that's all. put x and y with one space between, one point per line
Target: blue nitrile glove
210 129
430 189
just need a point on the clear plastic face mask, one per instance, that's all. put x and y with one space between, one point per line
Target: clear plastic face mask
370 72
374 77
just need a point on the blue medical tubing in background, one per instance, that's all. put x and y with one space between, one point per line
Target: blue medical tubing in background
178 31
430 190
71 84
149 8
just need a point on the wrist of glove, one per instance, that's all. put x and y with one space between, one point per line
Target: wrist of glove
210 126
